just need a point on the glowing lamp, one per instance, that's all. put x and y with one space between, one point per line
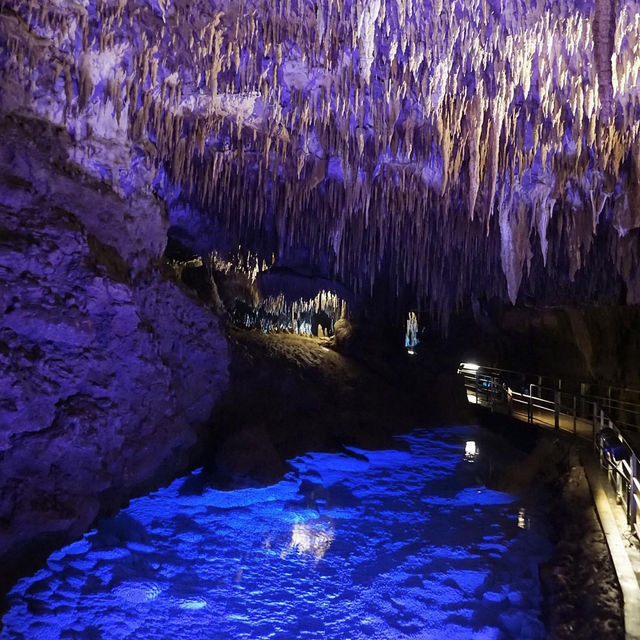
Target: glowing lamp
471 451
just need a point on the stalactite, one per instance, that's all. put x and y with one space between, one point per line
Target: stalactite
372 157
603 32
68 91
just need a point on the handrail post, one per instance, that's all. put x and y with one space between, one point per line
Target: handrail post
632 507
575 425
476 389
530 416
595 420
556 410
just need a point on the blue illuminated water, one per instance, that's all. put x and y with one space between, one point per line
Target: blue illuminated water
372 545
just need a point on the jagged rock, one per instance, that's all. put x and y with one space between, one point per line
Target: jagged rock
249 455
108 368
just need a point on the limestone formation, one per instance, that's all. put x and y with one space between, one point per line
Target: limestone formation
109 369
433 147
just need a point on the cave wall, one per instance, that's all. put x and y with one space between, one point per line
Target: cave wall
109 367
588 343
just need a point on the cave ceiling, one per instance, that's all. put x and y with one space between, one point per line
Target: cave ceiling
436 151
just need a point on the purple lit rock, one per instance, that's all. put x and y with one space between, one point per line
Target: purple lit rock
108 368
433 148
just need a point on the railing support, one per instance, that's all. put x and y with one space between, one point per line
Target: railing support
530 414
632 507
556 410
575 425
583 403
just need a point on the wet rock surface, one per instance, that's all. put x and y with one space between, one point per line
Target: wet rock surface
108 367
404 542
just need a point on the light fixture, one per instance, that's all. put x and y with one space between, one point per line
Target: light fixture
471 451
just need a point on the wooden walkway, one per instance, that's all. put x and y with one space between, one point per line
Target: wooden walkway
580 426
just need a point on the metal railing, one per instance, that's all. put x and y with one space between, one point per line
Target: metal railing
622 404
584 415
619 459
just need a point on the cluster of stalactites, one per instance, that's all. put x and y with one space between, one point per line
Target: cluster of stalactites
359 128
313 317
246 263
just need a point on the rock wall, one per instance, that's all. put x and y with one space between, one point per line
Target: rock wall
599 343
108 366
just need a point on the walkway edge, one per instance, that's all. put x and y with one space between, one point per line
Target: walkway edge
626 577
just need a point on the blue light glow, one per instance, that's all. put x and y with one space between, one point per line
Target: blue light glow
374 545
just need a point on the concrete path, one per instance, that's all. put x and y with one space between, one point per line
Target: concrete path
623 546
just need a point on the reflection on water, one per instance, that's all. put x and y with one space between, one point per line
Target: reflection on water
314 539
524 522
370 545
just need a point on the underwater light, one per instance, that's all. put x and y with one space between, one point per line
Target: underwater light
411 352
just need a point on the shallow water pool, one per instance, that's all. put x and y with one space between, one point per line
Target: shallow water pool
404 543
